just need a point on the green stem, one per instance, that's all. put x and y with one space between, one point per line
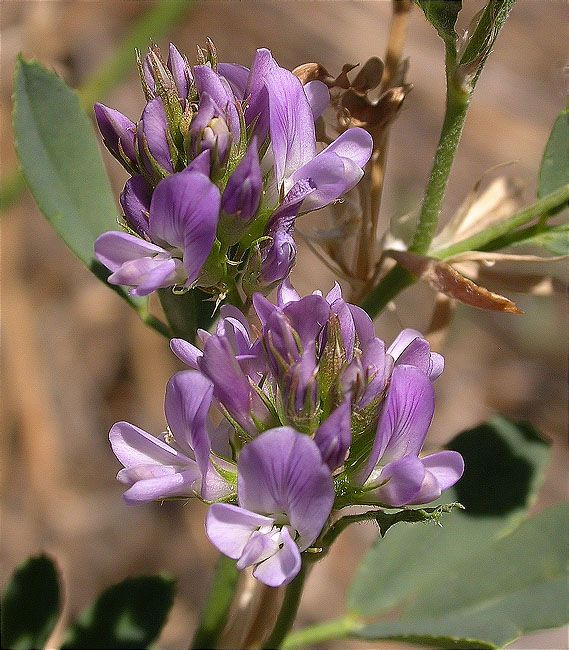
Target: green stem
156 324
391 284
289 608
457 101
339 628
548 204
216 609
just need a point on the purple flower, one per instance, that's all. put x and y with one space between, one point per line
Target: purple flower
135 201
312 395
183 218
242 194
412 349
394 474
268 172
334 435
180 466
285 495
152 144
118 134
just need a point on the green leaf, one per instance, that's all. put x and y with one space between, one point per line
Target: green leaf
62 164
554 239
504 467
127 615
554 171
516 585
31 604
387 518
442 15
186 312
487 28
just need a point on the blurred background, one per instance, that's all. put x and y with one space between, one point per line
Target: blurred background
76 359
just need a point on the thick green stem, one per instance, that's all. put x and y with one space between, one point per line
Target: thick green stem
457 101
289 608
542 207
218 603
391 284
339 628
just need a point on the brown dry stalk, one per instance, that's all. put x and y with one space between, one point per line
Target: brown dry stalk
375 173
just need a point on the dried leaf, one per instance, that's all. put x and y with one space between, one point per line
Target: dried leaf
444 278
490 258
369 76
373 115
317 72
534 284
481 209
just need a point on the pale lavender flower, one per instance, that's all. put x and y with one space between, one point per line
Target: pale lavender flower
193 122
182 465
311 400
285 495
394 474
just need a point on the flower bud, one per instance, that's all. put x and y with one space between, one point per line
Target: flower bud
180 69
278 257
154 150
118 135
209 130
135 201
243 191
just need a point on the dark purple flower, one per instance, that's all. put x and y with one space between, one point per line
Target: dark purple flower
334 435
135 201
118 135
285 494
242 193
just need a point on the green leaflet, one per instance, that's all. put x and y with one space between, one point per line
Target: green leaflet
30 605
554 170
62 164
442 15
516 585
504 467
130 614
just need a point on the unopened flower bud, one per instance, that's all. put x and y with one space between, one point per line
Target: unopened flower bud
154 150
209 130
243 191
180 69
278 257
118 135
135 201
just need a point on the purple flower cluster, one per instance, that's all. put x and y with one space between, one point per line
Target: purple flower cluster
275 429
223 159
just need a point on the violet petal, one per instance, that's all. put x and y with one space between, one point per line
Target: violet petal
184 212
188 399
229 527
282 471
